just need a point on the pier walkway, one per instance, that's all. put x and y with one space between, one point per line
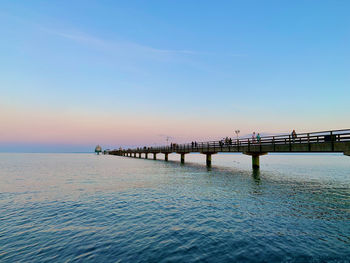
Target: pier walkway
313 142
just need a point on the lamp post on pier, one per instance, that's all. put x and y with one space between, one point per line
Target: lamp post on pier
237 133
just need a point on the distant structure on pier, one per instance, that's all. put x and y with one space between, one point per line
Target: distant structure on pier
98 149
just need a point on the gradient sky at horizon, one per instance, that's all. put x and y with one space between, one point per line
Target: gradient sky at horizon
74 74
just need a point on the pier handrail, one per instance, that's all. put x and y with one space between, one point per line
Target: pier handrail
321 141
311 137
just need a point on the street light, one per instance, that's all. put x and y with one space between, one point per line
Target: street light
237 132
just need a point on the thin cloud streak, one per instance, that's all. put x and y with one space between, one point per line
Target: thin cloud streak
120 45
88 39
115 45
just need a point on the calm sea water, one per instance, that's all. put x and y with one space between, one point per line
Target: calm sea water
88 208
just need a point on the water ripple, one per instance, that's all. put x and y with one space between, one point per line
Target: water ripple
85 208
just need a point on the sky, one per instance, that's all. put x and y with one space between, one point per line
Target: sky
74 74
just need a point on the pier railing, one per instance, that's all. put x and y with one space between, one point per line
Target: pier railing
218 145
324 141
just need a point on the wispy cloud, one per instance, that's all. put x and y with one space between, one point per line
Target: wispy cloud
116 45
136 57
122 45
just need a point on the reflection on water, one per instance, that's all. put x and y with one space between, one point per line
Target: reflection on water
67 207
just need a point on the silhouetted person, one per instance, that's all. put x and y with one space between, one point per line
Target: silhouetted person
253 137
294 135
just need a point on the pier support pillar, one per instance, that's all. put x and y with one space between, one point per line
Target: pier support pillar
255 161
139 155
146 155
182 158
255 158
134 155
166 156
154 156
208 159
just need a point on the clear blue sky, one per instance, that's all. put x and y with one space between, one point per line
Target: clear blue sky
77 73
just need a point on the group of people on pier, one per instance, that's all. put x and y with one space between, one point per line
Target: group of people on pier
225 141
256 138
174 146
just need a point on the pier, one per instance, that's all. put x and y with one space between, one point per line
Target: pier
335 141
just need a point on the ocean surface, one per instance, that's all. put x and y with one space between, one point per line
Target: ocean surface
89 208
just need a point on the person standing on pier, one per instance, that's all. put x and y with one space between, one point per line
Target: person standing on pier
253 137
258 138
294 135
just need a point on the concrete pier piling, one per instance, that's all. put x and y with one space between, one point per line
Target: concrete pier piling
255 161
182 158
255 158
208 156
208 159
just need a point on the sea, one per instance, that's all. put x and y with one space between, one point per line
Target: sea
104 208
